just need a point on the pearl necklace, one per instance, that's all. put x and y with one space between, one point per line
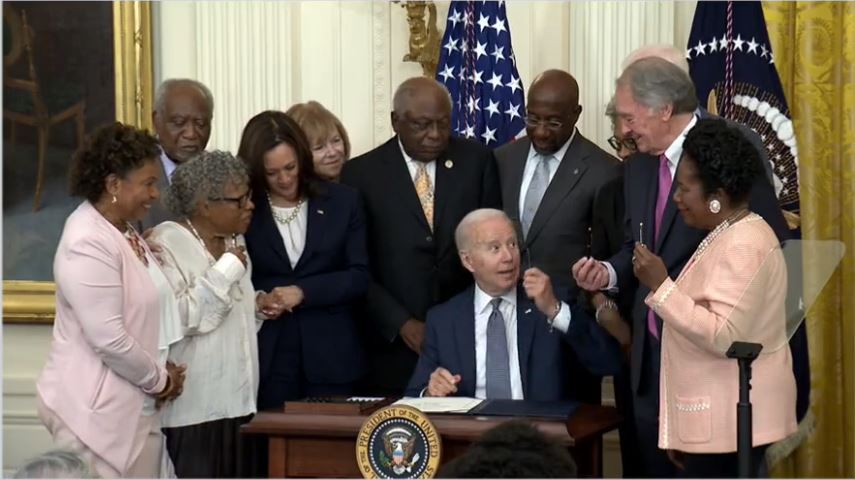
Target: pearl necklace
718 230
211 259
286 221
291 216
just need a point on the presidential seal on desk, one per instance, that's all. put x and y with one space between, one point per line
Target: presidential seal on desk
398 442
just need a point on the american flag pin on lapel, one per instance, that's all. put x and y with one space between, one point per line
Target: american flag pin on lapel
528 311
449 164
320 212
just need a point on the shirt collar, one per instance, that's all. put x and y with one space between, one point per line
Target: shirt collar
168 165
408 158
674 150
558 155
482 299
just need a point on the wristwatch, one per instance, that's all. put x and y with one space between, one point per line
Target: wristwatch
551 320
608 303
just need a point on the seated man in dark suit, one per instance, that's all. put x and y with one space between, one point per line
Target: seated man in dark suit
499 340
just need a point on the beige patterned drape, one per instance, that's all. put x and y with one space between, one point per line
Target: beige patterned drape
814 48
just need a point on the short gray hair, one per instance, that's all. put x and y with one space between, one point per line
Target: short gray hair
203 177
166 85
56 464
663 51
408 88
656 83
463 232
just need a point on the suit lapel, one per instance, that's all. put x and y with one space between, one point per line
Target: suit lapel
526 322
464 333
649 213
667 217
515 174
270 231
445 184
399 181
571 169
315 227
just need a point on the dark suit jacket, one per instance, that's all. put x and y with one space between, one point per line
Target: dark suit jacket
158 212
413 267
333 274
585 193
676 243
581 214
450 343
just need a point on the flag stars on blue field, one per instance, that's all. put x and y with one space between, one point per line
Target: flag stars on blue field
478 68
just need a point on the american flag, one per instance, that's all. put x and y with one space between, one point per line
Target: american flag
478 67
731 62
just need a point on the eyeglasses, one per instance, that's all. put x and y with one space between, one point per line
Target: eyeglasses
535 122
627 143
241 201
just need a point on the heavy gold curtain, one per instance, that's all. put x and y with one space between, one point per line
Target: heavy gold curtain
814 48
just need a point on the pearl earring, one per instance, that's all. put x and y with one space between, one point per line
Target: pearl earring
714 206
114 199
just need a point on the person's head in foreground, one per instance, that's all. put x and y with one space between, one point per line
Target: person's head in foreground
514 449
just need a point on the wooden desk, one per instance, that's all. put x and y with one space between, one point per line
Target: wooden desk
315 445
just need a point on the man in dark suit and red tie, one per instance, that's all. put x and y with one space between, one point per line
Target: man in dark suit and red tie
655 103
416 188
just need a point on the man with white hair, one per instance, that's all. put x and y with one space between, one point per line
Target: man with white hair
656 106
416 187
182 113
678 58
501 340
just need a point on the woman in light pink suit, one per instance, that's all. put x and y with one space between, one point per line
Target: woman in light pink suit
106 373
732 289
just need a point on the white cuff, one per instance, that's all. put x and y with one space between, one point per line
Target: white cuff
561 322
612 276
230 266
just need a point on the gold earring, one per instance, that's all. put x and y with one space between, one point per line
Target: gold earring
114 199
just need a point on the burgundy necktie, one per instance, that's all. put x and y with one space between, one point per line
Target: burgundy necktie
661 200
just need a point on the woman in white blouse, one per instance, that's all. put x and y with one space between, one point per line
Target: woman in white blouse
205 260
307 242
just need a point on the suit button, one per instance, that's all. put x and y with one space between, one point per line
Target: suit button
428 238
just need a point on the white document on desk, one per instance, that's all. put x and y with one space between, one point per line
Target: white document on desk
441 404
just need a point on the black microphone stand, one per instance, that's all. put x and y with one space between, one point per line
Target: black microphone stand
744 353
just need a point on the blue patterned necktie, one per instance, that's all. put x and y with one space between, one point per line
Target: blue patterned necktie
536 189
498 364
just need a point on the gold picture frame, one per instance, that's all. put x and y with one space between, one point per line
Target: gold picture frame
34 302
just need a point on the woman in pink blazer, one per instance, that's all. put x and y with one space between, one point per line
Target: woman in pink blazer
733 288
105 375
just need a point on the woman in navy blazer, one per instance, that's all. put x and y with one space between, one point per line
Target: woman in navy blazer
307 245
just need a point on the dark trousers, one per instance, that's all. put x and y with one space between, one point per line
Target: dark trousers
287 380
206 450
645 403
630 456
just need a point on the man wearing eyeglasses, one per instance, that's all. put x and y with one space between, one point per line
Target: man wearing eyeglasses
416 188
624 146
561 191
183 109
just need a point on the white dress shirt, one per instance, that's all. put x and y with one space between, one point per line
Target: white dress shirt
168 166
216 306
413 166
294 233
531 165
508 307
673 154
